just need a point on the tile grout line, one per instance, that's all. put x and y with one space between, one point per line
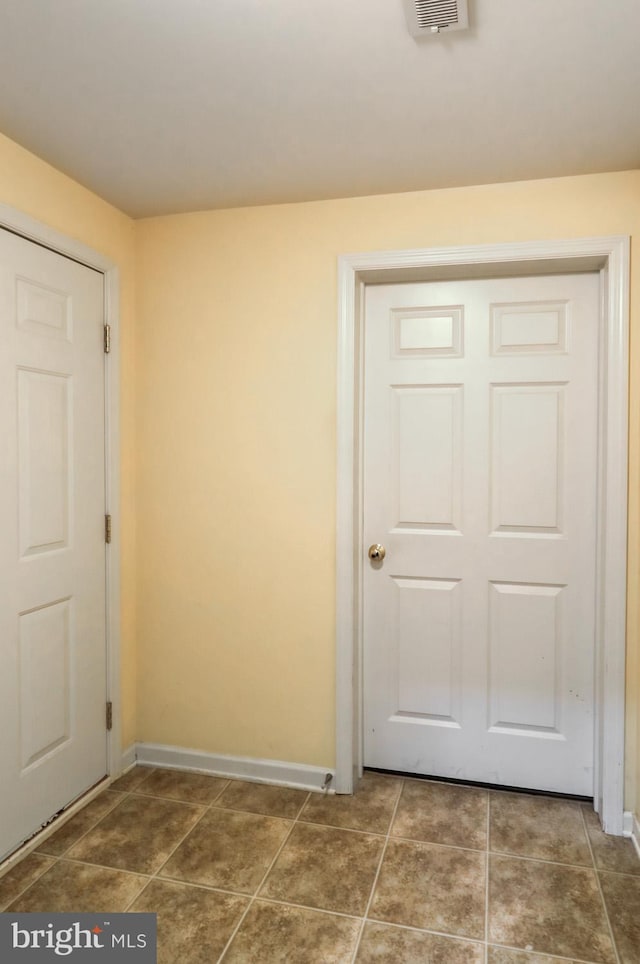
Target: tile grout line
331 826
599 886
434 843
544 860
322 911
618 873
115 870
208 887
545 956
159 796
486 883
377 875
252 897
431 932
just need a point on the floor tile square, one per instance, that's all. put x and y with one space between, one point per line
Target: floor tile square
542 827
442 813
79 888
326 868
21 876
432 887
548 908
188 787
138 835
383 944
622 898
262 798
70 832
228 849
280 934
616 854
194 924
370 808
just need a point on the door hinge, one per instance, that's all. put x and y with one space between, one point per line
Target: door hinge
107 339
107 528
109 715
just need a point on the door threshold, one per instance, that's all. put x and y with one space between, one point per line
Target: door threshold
481 785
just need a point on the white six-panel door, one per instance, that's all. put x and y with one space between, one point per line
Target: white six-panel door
52 549
480 481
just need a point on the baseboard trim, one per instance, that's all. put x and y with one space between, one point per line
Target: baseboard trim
297 775
127 760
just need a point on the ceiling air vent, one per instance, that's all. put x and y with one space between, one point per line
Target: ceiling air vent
433 16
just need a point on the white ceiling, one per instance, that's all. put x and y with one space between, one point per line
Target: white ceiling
177 105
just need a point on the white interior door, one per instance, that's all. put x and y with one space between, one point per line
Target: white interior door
52 548
480 453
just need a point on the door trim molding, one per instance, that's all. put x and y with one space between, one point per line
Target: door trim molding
609 256
33 230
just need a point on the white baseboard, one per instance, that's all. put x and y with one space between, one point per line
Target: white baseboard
627 823
127 760
297 775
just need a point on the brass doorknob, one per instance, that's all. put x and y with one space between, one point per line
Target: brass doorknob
377 552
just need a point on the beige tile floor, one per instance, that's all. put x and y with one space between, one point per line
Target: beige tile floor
405 872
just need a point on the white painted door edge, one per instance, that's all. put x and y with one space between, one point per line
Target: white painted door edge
610 257
28 227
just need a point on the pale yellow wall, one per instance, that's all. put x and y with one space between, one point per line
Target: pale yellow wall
236 373
37 189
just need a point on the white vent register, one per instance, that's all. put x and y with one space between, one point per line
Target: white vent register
435 16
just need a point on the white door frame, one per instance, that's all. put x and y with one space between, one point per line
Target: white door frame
28 227
609 256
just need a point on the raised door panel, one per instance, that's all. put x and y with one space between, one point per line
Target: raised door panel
427 457
525 656
44 475
45 690
427 332
427 647
527 458
43 311
529 328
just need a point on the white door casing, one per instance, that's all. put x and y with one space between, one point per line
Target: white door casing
609 256
480 432
57 572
